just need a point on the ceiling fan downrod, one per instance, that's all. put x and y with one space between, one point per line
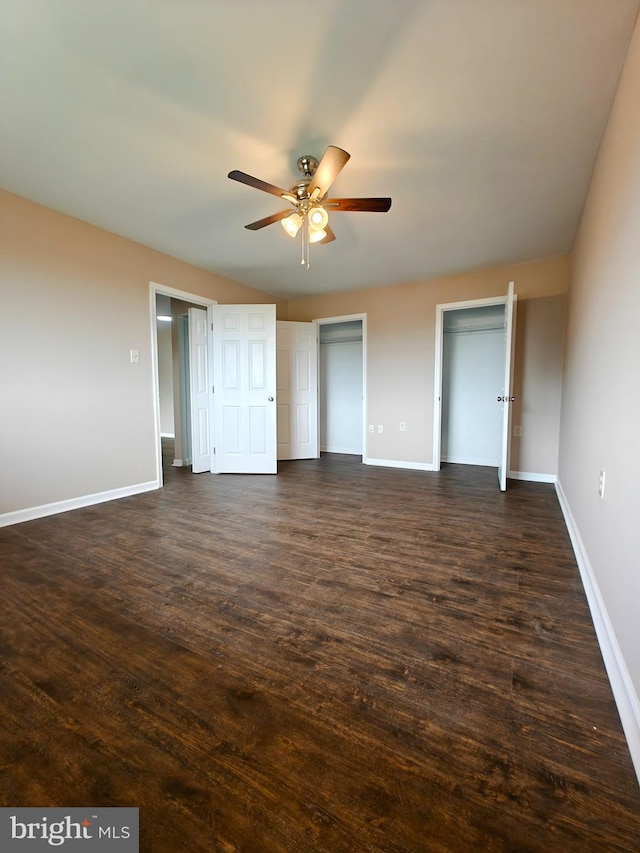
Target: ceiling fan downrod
307 164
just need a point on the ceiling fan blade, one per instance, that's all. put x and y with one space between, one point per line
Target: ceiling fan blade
257 184
332 163
371 205
330 235
268 220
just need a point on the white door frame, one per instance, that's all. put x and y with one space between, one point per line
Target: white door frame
200 390
437 382
347 318
154 289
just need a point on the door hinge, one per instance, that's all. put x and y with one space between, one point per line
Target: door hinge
212 327
214 451
213 389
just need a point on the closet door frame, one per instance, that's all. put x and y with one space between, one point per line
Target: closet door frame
439 344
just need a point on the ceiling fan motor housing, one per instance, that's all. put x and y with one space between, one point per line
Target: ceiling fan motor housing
307 164
300 190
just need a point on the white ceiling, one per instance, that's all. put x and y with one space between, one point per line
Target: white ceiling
480 118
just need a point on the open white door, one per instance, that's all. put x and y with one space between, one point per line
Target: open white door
297 377
200 387
507 389
244 359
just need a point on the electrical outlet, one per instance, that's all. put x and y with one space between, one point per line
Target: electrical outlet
370 427
403 426
380 428
517 432
601 484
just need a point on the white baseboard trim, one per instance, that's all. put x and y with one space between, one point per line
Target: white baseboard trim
467 460
180 463
624 692
533 477
167 435
395 463
34 512
348 450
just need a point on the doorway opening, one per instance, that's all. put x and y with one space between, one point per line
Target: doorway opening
342 384
171 371
467 385
472 377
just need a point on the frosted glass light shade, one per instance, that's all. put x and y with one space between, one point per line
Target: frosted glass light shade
292 224
318 218
316 236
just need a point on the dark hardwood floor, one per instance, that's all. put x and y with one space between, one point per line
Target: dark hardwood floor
339 658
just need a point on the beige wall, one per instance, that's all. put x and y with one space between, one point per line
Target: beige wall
401 351
78 418
538 384
600 425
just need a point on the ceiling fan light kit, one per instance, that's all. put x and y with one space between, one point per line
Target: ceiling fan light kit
292 224
309 198
317 236
318 217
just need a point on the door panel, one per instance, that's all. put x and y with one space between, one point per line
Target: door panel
297 360
245 389
507 392
231 364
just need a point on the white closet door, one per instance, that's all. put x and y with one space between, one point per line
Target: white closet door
507 388
297 377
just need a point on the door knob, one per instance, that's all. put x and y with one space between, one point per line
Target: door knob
270 399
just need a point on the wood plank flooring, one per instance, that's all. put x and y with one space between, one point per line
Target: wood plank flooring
339 658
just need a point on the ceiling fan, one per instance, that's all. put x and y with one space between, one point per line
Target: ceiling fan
309 199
